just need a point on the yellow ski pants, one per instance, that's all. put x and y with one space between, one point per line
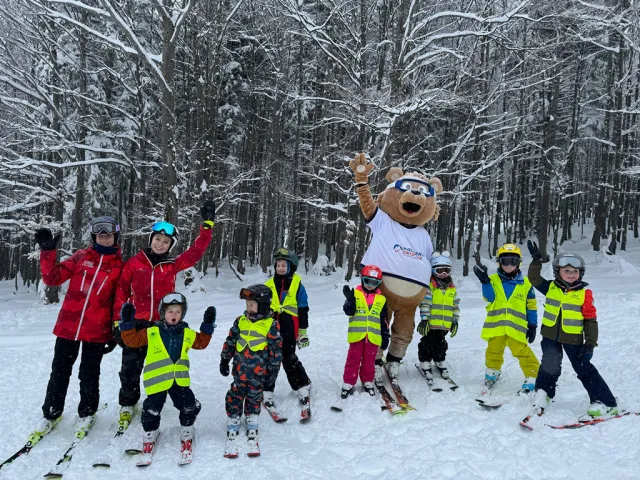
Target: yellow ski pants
494 357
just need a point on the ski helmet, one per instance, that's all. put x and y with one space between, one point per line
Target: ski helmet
262 295
167 229
568 260
173 298
371 277
509 254
104 225
441 263
288 255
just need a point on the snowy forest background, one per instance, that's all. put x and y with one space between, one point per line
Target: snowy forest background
528 111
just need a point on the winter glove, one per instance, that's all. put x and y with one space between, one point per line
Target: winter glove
303 339
385 341
585 350
224 367
117 335
127 317
46 240
348 293
534 251
481 273
109 347
531 333
208 213
423 327
209 321
454 328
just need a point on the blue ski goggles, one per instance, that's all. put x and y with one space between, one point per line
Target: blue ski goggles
406 185
371 282
165 228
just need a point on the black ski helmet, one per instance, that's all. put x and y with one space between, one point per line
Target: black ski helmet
173 298
288 255
262 295
104 224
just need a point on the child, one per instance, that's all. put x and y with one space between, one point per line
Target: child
169 343
570 324
439 314
368 330
255 345
145 279
511 317
291 309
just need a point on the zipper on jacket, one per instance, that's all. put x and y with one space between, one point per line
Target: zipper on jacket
84 275
102 285
153 269
87 299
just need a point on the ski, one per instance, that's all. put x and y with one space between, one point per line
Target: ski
452 385
526 421
148 449
231 446
186 452
273 412
63 463
388 402
339 405
34 438
595 421
397 390
444 374
428 379
104 460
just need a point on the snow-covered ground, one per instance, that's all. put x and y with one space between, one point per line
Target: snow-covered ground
448 436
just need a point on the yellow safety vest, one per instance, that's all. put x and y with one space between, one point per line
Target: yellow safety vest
366 322
159 370
290 304
507 317
253 334
441 308
571 305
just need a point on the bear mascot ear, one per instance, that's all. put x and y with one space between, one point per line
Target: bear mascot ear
395 173
436 184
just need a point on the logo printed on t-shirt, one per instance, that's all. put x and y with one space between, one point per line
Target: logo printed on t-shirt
408 252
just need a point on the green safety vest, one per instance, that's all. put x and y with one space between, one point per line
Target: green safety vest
507 317
159 370
290 304
571 305
366 322
441 308
253 334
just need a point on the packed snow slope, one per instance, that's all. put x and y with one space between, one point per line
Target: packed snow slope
448 436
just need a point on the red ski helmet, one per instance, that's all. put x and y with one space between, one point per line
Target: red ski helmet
371 277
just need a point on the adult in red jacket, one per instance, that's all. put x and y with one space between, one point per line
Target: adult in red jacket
84 319
145 280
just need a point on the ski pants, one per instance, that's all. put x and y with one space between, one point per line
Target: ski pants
64 356
244 395
551 368
494 357
183 399
131 369
296 374
360 359
433 346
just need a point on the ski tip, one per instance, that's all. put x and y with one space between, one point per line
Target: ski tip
253 455
230 455
101 465
526 425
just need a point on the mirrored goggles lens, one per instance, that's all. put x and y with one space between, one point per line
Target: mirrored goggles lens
371 282
165 228
440 270
103 227
509 261
570 262
282 251
173 298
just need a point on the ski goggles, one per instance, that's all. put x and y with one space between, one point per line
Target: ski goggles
509 261
248 294
104 227
371 282
441 270
570 262
405 185
165 228
173 299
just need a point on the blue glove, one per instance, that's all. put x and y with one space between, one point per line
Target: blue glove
531 333
454 328
585 350
481 273
127 317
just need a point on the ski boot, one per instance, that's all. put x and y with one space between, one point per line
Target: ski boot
253 449
187 436
393 368
149 440
126 413
491 377
425 368
443 369
379 375
367 387
346 390
527 386
599 410
44 426
305 402
84 424
268 399
231 447
540 401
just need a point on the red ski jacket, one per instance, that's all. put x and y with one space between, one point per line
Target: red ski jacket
144 285
85 315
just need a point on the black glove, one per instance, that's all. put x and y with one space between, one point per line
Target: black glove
224 367
208 211
118 336
454 328
109 346
531 333
46 240
585 350
534 251
423 327
481 273
210 315
385 341
348 293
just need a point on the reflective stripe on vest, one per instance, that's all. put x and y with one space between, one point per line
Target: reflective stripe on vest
441 308
507 317
571 305
159 370
366 322
253 334
290 304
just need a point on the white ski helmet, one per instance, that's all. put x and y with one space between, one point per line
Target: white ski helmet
440 259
